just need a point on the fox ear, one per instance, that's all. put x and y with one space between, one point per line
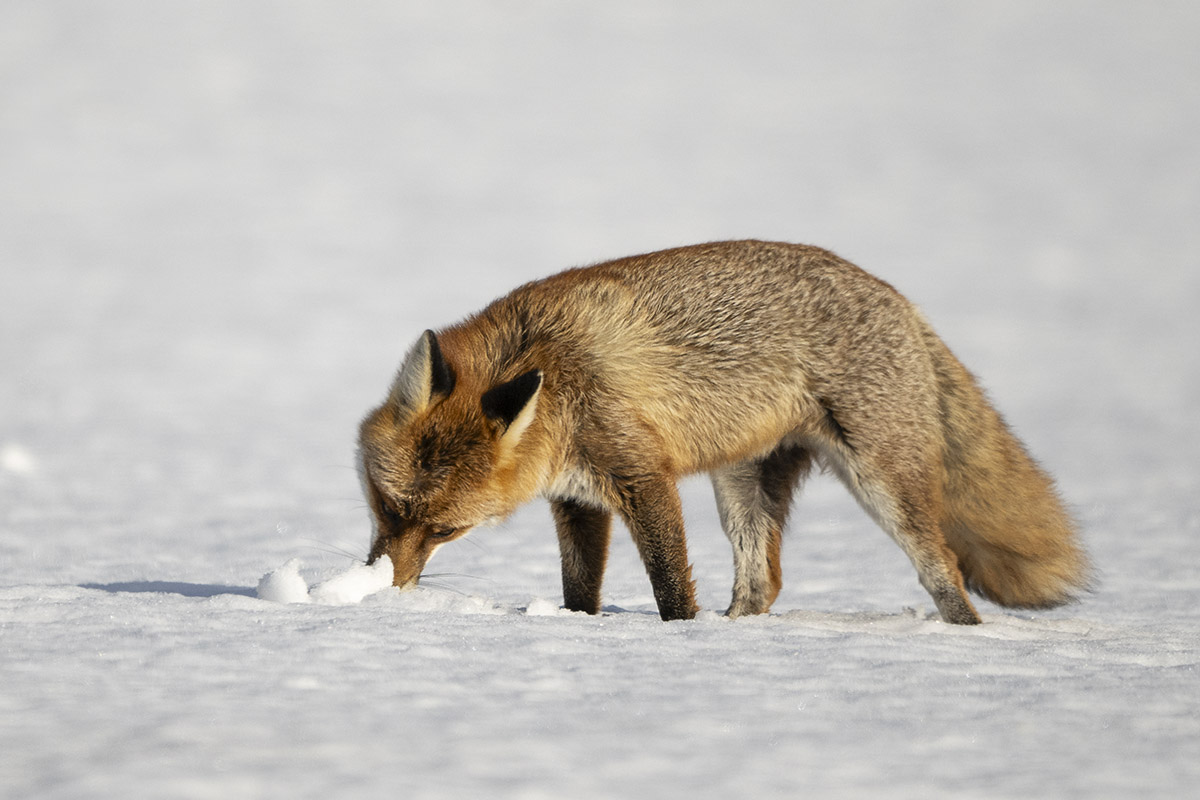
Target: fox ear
512 404
423 375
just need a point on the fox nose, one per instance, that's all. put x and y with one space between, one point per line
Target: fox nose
405 574
406 556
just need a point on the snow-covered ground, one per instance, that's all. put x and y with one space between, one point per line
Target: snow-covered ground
222 223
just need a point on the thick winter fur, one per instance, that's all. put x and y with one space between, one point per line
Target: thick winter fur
600 387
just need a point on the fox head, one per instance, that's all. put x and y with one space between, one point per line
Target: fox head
438 457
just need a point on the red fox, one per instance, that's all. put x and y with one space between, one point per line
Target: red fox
599 387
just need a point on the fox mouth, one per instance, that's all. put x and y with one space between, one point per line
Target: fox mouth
407 572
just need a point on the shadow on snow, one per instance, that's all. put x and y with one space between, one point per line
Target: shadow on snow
171 587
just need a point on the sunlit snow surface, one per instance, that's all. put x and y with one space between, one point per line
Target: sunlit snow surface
222 224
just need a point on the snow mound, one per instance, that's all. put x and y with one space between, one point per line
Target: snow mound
287 585
284 585
355 583
16 459
539 607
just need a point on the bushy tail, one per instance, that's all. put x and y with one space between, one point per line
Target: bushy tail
1016 544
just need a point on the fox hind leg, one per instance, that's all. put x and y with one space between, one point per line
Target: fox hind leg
907 507
938 571
753 498
920 535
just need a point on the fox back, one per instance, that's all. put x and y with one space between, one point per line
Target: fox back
600 387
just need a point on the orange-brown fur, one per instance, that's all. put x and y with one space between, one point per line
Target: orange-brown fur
599 387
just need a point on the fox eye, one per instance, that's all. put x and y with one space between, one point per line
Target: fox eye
444 533
395 511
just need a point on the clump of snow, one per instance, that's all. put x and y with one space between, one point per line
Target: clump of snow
284 585
539 607
15 458
355 583
287 585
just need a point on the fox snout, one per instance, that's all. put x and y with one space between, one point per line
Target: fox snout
410 547
407 563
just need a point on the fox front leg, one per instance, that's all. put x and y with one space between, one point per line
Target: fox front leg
583 535
651 509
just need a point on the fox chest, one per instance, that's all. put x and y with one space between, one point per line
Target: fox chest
578 484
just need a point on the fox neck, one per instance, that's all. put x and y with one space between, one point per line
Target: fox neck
526 470
563 473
